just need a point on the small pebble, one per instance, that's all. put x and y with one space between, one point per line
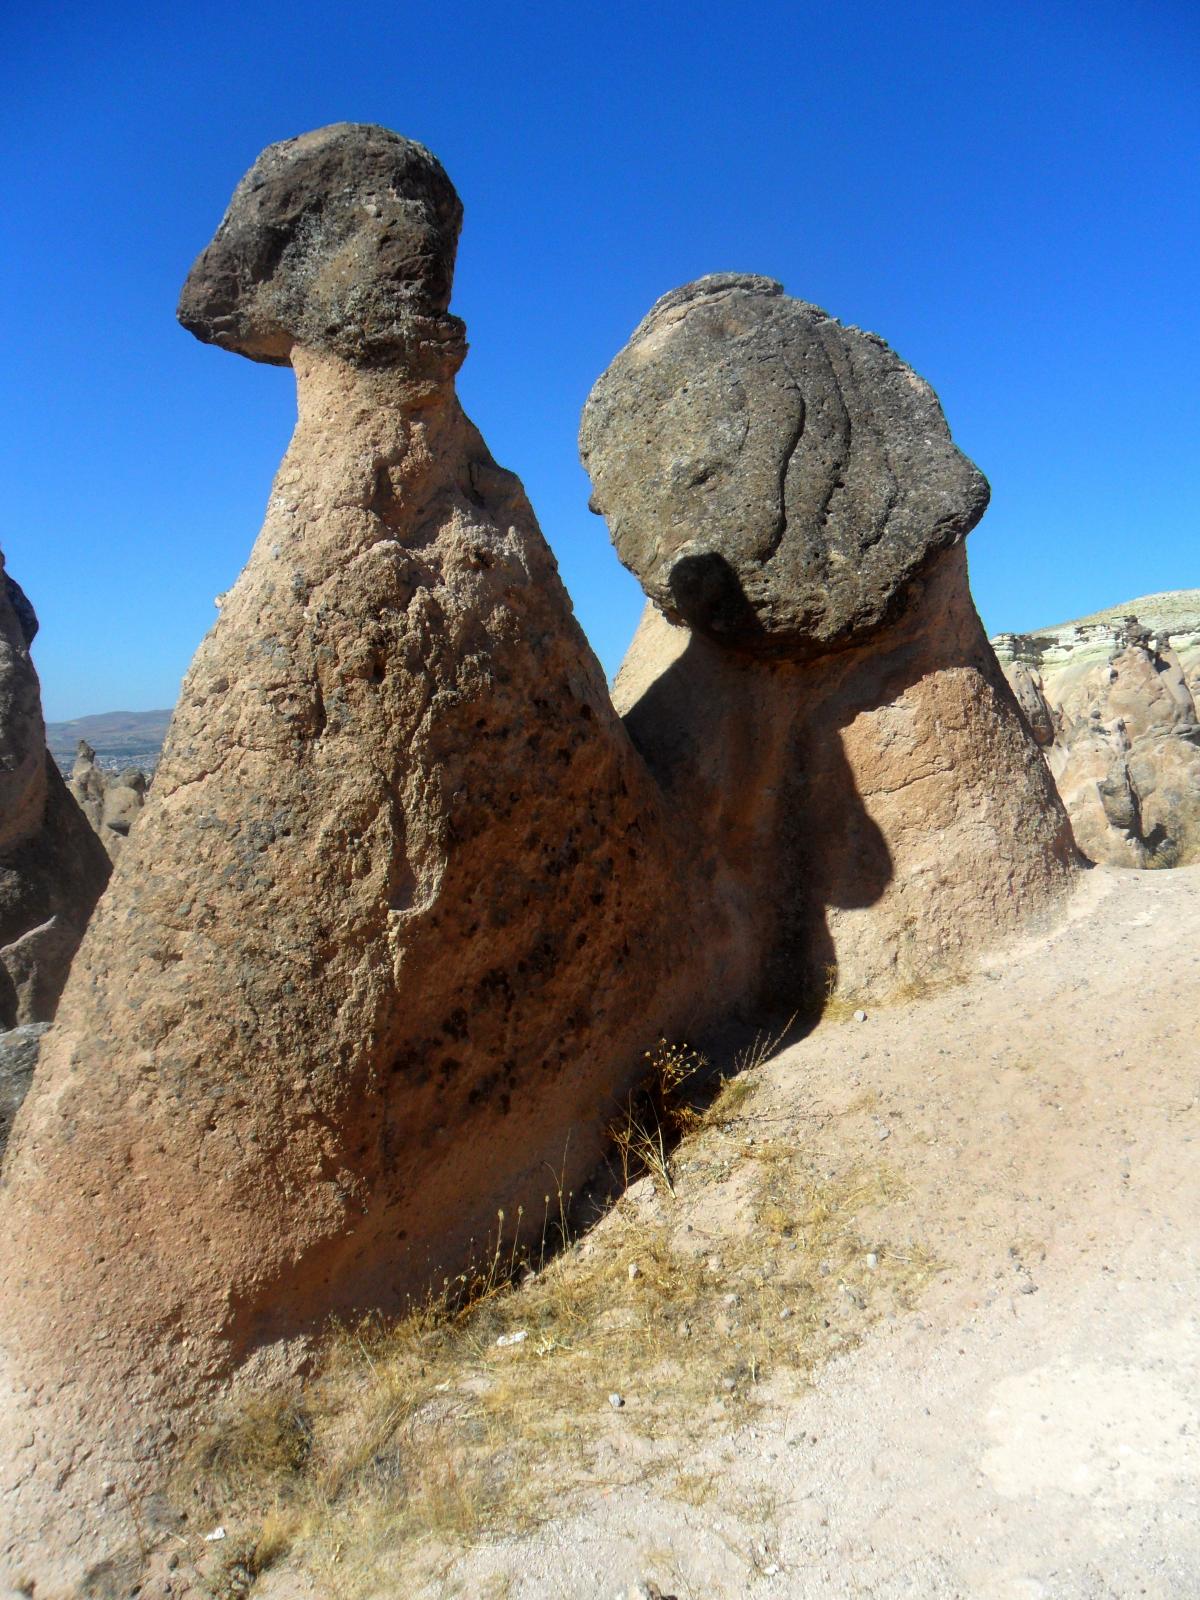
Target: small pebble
885 1133
729 1385
634 1271
730 1300
1029 1287
507 1339
615 1401
713 1263
860 1016
785 1314
872 1259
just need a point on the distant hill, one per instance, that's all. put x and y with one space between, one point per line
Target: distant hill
1089 640
1176 611
119 738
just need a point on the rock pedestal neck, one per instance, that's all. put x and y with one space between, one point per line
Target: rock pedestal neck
811 684
396 924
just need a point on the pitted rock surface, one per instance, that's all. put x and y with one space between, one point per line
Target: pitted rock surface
775 480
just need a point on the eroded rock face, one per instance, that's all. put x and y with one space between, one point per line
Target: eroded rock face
394 928
772 478
52 871
860 788
1119 692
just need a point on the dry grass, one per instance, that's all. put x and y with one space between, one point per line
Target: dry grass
420 1437
840 1005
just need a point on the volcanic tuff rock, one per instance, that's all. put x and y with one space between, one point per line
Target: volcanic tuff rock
860 788
398 919
1114 698
52 870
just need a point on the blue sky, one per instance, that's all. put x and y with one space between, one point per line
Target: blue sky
1008 192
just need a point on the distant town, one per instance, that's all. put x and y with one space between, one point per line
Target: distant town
120 739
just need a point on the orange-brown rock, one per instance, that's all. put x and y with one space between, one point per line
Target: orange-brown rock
399 917
864 795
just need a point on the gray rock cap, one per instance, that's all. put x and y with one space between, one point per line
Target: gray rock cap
772 478
343 240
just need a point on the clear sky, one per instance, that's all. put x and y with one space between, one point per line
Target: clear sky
1009 192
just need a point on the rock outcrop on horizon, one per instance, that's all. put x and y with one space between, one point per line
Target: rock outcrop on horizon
1112 700
810 684
52 869
111 801
399 918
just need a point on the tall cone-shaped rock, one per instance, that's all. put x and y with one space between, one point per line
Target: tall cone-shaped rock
811 685
396 923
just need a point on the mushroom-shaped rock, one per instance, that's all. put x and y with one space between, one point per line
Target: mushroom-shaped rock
811 684
773 479
390 936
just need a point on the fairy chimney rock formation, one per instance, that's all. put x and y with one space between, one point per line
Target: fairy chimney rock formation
1118 693
52 871
811 684
397 922
111 801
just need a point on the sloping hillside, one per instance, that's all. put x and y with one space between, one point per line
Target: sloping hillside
119 738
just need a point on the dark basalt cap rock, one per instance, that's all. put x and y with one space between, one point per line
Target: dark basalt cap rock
342 240
772 478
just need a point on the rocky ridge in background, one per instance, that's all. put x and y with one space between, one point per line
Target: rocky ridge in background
120 739
1112 699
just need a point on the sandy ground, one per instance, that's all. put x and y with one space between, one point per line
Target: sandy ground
1031 1431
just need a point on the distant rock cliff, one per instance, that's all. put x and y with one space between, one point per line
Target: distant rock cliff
1112 700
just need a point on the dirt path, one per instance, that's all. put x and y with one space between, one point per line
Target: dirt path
1032 1428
